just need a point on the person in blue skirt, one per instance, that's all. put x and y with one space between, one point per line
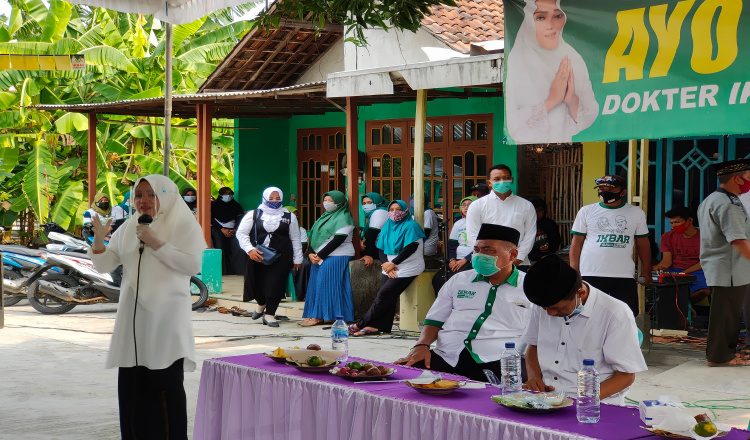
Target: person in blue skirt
400 244
329 291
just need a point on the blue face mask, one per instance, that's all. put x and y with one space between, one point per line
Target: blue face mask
273 205
227 198
502 186
190 199
578 309
369 208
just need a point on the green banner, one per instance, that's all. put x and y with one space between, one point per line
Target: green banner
592 70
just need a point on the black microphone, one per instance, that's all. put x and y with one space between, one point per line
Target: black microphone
145 219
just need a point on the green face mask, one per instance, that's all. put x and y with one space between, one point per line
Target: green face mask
485 265
502 186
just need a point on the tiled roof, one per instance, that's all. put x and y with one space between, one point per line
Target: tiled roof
469 22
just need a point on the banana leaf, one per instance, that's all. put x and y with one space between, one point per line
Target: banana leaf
40 181
66 204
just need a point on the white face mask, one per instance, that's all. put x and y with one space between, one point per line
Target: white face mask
227 198
577 311
330 207
190 199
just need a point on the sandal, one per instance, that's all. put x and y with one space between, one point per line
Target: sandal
311 322
223 310
365 332
736 362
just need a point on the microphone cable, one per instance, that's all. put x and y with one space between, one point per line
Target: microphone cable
135 306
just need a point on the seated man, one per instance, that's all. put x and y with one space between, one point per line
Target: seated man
477 311
681 249
573 321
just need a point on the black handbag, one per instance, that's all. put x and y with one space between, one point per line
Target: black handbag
270 255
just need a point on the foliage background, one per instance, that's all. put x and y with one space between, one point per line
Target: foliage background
43 155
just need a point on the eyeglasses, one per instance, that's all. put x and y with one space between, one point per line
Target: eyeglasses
609 180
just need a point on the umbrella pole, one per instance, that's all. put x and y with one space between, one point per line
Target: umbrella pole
168 100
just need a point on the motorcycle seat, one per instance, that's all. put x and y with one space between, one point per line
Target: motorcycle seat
22 250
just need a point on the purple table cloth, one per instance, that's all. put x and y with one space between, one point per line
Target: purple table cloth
253 397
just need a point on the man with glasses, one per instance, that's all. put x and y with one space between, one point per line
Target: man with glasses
572 321
604 235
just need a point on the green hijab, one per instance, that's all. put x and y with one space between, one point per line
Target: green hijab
380 203
330 222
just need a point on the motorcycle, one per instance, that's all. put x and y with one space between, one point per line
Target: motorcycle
81 284
19 264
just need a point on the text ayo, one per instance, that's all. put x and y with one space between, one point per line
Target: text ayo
712 51
613 238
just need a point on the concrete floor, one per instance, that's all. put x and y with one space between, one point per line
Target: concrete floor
54 385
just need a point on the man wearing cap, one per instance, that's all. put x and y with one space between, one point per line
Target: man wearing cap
502 207
479 190
725 258
604 234
476 311
572 321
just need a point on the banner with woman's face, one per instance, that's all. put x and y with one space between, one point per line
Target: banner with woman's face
592 70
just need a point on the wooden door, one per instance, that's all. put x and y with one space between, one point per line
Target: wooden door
319 155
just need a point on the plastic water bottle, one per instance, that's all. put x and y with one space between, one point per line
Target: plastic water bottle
510 369
340 338
587 405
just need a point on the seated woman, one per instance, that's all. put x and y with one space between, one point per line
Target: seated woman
329 292
376 214
459 251
400 243
101 207
122 211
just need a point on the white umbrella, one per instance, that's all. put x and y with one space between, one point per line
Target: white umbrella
170 12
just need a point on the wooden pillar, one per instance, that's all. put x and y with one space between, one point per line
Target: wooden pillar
352 167
91 166
420 120
638 196
203 164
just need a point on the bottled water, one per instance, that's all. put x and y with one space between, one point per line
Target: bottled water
510 369
587 405
340 338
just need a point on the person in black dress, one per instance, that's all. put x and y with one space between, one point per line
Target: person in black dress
225 213
270 225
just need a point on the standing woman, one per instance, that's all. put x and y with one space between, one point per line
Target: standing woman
400 243
459 251
376 214
152 342
300 277
270 225
190 196
329 292
225 213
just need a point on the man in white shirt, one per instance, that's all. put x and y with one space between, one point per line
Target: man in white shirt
502 207
476 312
604 235
572 321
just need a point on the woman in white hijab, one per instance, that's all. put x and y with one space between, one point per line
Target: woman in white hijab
549 93
270 225
153 341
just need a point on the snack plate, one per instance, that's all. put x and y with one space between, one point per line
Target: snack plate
308 369
434 391
525 409
362 378
279 359
667 434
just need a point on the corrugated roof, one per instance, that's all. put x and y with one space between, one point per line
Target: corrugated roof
471 21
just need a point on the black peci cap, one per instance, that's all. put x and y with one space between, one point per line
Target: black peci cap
549 281
731 167
488 231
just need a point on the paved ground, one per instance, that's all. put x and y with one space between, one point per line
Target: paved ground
54 385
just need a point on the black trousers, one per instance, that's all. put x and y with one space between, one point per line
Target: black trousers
467 366
152 403
724 323
624 289
381 312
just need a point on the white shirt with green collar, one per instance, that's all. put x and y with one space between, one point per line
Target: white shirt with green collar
474 314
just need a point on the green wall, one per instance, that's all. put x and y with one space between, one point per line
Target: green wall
257 166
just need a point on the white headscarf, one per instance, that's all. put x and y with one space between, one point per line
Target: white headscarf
174 223
531 69
271 216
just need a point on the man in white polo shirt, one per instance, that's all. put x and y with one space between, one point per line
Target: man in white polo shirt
477 311
572 321
502 207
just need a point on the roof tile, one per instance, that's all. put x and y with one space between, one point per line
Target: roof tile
470 21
